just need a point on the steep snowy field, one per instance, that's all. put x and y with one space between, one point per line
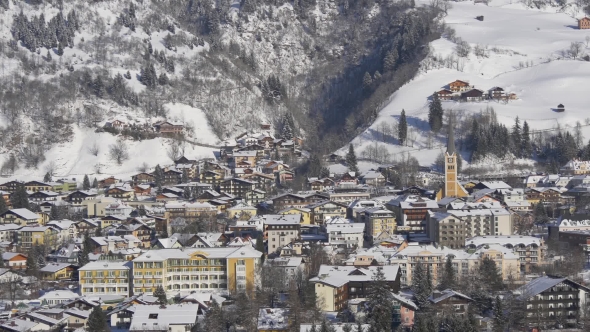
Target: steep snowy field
514 36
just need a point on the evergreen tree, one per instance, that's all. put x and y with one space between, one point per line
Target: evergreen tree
1 260
324 172
402 128
390 60
95 183
491 275
60 49
98 230
367 81
86 183
315 166
99 88
527 148
421 286
379 303
215 319
163 79
359 326
186 194
32 263
435 114
3 206
184 178
448 276
160 293
260 246
158 176
499 321
47 177
540 213
54 213
84 256
516 138
287 131
97 320
351 159
127 75
48 56
20 198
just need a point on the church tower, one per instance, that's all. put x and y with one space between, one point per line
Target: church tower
452 187
451 165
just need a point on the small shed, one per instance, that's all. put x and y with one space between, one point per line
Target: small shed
560 108
479 18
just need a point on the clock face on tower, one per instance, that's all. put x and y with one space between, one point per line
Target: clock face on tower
450 160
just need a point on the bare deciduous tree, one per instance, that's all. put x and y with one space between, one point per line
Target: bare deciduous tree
118 151
94 149
575 50
462 48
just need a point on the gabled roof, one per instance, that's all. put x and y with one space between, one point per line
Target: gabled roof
437 297
24 214
541 284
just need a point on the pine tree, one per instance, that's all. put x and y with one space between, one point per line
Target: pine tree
215 319
540 213
60 49
516 138
324 172
448 276
359 326
367 81
86 183
527 148
32 263
97 320
379 303
421 286
127 75
315 166
3 206
158 176
163 79
99 88
491 275
95 183
351 159
54 213
499 321
160 293
48 56
47 177
84 256
402 128
20 198
184 178
435 114
186 194
390 60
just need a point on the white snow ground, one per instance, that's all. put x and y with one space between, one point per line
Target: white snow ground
519 35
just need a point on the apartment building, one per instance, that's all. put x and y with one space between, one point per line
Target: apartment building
281 230
348 235
30 236
21 217
335 285
105 278
451 228
189 212
322 211
530 250
228 269
411 210
378 220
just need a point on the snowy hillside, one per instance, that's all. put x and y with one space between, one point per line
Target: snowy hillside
525 51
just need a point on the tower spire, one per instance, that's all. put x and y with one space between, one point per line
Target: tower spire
451 139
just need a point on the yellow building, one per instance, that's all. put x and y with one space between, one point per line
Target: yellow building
241 211
56 271
194 269
304 212
30 236
452 187
22 217
38 186
105 278
61 186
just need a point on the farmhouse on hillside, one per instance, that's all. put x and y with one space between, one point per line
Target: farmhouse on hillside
459 86
472 95
584 23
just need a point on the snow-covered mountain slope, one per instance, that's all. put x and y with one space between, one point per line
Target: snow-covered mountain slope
215 79
525 53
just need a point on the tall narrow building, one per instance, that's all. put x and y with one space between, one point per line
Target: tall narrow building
452 187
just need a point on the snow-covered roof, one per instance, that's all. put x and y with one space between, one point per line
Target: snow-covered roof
25 214
106 265
54 267
495 184
335 327
282 219
158 318
541 284
349 228
338 276
59 294
19 325
211 253
503 240
437 297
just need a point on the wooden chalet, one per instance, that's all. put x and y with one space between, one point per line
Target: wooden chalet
143 178
445 94
459 86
